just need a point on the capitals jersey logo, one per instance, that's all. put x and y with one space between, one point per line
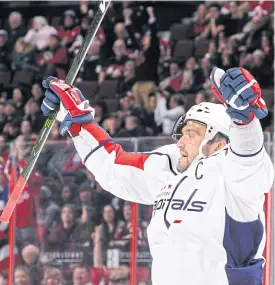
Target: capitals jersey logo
189 204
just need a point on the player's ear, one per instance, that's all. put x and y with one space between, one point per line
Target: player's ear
219 145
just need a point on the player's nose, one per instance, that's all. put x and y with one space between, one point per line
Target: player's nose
181 143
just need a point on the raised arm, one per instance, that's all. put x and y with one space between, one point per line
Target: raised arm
131 176
247 168
152 24
127 13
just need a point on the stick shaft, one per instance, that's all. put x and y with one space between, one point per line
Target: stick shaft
45 131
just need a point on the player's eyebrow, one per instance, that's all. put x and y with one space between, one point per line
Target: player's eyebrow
188 130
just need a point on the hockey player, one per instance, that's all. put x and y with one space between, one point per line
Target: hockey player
207 193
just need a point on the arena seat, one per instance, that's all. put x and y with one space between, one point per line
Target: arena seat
201 47
5 78
88 88
108 89
184 49
23 77
178 32
112 105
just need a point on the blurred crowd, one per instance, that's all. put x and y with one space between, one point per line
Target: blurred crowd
139 80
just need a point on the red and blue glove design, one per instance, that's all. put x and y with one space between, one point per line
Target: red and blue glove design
78 108
240 92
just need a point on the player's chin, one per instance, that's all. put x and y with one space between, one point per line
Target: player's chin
183 163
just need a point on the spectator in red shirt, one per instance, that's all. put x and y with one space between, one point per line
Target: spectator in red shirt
175 81
25 217
70 29
266 5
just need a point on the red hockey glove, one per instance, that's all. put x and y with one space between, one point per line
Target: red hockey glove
240 91
78 108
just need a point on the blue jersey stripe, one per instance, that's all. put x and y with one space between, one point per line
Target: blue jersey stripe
96 148
169 160
241 242
247 155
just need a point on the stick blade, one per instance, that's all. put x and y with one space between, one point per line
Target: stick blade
13 200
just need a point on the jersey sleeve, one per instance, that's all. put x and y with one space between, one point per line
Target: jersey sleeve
131 176
247 167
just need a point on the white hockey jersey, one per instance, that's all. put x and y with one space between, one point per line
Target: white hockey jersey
208 223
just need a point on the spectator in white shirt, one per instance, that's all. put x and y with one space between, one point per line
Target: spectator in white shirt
40 33
169 116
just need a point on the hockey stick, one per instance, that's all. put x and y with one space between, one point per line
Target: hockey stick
45 131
